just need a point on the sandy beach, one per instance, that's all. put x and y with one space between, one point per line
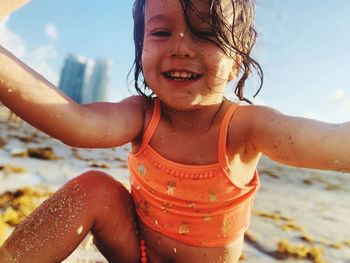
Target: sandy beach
299 215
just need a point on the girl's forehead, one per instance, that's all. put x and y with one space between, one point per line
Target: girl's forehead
170 3
171 6
194 7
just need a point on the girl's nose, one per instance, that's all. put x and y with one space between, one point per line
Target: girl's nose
183 46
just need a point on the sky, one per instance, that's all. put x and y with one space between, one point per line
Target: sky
303 47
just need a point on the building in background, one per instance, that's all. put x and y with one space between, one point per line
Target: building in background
85 80
97 80
72 77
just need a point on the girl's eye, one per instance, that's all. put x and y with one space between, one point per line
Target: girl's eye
161 33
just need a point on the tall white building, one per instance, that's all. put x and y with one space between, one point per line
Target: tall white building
96 86
85 80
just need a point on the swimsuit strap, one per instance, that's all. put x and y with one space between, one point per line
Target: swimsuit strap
152 124
222 155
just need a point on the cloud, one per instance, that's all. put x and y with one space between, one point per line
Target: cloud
37 59
44 53
311 115
258 101
338 94
11 41
51 31
341 99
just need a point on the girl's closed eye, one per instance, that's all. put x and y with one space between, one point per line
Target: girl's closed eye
161 33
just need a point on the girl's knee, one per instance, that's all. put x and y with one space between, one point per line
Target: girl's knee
97 179
101 187
93 177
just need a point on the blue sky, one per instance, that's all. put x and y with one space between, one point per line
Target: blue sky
303 47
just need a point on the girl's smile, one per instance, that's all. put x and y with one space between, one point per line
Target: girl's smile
178 75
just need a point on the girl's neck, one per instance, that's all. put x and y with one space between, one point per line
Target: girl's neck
202 118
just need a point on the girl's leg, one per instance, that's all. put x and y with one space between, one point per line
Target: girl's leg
93 201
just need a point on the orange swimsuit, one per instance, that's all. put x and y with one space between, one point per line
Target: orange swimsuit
199 205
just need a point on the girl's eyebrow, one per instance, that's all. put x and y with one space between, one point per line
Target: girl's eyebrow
157 18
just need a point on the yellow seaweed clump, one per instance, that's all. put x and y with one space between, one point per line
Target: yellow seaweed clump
45 153
250 236
19 204
301 251
8 168
4 227
337 245
2 143
274 216
16 206
307 239
292 225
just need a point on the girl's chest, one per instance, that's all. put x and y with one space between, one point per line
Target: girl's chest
202 148
193 148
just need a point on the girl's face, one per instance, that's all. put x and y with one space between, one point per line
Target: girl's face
183 70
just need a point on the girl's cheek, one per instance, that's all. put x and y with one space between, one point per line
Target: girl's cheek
145 50
146 55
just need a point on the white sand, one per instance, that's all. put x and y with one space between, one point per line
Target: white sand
321 205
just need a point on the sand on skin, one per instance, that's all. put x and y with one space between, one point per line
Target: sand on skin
300 206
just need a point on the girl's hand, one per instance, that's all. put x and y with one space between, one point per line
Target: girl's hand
8 6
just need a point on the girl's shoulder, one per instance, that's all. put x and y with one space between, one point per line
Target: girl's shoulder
244 115
137 104
259 119
247 122
255 114
117 123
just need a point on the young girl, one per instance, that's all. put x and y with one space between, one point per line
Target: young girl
194 153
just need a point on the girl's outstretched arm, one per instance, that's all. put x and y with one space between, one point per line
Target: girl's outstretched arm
299 141
44 106
8 6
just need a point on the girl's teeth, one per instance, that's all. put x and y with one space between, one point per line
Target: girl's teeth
184 75
179 75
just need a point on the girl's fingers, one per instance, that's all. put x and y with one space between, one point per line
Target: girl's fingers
8 6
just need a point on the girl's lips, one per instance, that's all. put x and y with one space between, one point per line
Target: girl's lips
181 81
181 75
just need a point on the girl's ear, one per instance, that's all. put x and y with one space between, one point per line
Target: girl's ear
236 67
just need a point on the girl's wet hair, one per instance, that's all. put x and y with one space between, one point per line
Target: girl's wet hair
234 35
